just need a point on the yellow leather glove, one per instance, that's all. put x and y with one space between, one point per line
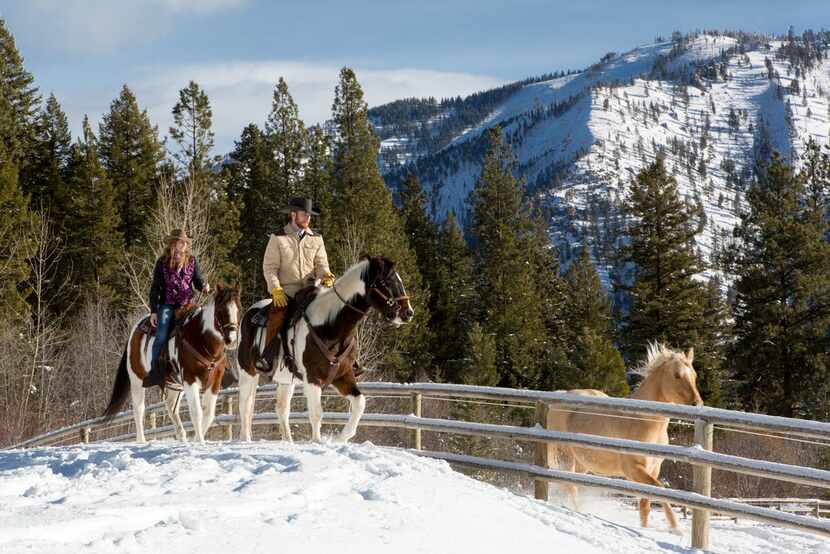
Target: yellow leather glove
279 297
327 280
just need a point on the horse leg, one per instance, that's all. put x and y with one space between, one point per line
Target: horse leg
570 489
208 409
284 394
247 395
645 510
191 392
137 397
640 474
172 403
313 395
667 509
348 388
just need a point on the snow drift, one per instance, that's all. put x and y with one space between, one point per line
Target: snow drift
277 497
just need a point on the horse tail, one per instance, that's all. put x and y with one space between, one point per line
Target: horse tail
121 389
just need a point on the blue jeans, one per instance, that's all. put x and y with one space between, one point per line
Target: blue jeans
166 317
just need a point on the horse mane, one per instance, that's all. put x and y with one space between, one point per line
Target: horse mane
657 353
350 284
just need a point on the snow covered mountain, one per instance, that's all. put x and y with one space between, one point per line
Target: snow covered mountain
276 497
712 103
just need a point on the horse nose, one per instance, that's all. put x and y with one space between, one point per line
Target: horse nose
408 313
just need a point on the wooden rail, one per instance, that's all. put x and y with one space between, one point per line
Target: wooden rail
700 456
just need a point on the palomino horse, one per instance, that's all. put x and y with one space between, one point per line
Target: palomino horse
322 342
196 351
668 377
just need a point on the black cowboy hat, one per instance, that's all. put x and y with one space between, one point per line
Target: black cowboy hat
301 204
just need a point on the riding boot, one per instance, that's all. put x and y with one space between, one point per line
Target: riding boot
155 377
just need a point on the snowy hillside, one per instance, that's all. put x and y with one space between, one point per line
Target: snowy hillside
275 497
711 103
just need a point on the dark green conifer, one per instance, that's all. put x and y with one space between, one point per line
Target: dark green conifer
131 154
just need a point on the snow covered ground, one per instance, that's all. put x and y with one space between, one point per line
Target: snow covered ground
276 497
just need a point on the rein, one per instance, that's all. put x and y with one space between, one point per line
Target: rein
346 348
211 364
333 359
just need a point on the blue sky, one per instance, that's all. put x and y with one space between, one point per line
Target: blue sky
84 50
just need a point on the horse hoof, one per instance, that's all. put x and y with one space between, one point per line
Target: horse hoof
676 531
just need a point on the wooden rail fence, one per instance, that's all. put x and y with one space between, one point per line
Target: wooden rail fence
701 455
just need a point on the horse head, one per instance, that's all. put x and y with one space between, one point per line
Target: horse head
227 307
678 378
385 291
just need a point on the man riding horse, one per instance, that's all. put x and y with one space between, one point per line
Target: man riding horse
294 258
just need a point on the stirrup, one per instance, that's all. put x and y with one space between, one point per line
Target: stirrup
263 365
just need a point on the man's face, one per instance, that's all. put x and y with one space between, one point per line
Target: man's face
301 219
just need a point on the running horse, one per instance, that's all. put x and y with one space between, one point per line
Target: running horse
321 340
668 377
195 353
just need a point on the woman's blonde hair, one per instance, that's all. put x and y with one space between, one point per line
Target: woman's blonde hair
168 254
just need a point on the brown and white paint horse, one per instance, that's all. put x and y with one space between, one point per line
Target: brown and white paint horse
329 323
196 351
668 377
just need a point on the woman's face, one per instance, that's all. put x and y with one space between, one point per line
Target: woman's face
178 247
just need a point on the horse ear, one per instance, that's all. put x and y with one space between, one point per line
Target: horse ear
690 355
236 285
365 256
219 287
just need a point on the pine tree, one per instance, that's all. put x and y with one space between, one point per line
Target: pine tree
552 300
453 305
782 306
365 219
19 100
249 178
423 240
286 136
481 368
667 303
419 229
131 154
44 178
14 218
193 131
94 244
592 360
317 182
507 280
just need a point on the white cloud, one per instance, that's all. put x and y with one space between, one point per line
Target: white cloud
240 93
105 25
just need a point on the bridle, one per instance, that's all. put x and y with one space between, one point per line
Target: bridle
388 300
222 328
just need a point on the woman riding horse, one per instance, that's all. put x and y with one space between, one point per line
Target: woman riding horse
175 276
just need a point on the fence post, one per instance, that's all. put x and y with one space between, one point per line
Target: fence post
702 485
541 487
416 410
229 411
86 434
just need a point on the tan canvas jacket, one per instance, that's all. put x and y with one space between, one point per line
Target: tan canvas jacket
290 263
